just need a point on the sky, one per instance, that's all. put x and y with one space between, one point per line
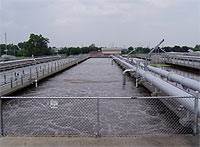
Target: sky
119 23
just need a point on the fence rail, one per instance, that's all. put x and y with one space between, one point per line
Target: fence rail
94 116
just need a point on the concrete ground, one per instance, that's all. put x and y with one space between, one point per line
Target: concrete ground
157 141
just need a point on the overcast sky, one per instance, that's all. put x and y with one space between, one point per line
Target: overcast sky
121 23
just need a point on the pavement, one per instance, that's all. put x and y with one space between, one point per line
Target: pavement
149 141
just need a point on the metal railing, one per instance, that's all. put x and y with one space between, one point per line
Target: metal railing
95 116
16 79
187 61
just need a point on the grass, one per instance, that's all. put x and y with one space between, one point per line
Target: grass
159 64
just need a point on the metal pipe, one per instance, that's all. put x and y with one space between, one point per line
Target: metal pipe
165 87
124 75
187 82
36 83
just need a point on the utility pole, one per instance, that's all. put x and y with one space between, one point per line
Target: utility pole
6 44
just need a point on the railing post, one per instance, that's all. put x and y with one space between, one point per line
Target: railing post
37 72
43 71
48 69
22 82
196 131
11 82
98 120
4 79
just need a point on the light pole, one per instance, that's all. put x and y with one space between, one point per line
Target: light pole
6 50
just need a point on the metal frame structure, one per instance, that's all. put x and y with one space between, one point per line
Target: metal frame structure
149 54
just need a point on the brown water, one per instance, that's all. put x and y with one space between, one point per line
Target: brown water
94 77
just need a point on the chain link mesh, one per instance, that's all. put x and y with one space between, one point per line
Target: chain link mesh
91 117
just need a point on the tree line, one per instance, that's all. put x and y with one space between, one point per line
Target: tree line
78 50
37 45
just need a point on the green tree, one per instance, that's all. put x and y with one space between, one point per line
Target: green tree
37 45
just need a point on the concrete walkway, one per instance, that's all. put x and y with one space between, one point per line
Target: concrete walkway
157 141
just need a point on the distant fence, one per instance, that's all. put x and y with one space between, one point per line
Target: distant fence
191 61
94 116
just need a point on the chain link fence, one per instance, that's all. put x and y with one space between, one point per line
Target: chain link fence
73 116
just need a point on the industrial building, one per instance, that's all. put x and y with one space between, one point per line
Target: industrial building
111 51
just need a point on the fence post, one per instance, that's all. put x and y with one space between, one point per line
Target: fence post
196 131
30 74
98 123
1 120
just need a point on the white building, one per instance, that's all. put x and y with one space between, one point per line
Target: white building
111 51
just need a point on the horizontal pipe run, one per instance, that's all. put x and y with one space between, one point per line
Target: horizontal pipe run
187 82
165 87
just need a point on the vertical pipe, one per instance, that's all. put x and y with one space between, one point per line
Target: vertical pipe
136 82
196 131
36 83
124 78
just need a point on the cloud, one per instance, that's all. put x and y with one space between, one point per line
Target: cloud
73 22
